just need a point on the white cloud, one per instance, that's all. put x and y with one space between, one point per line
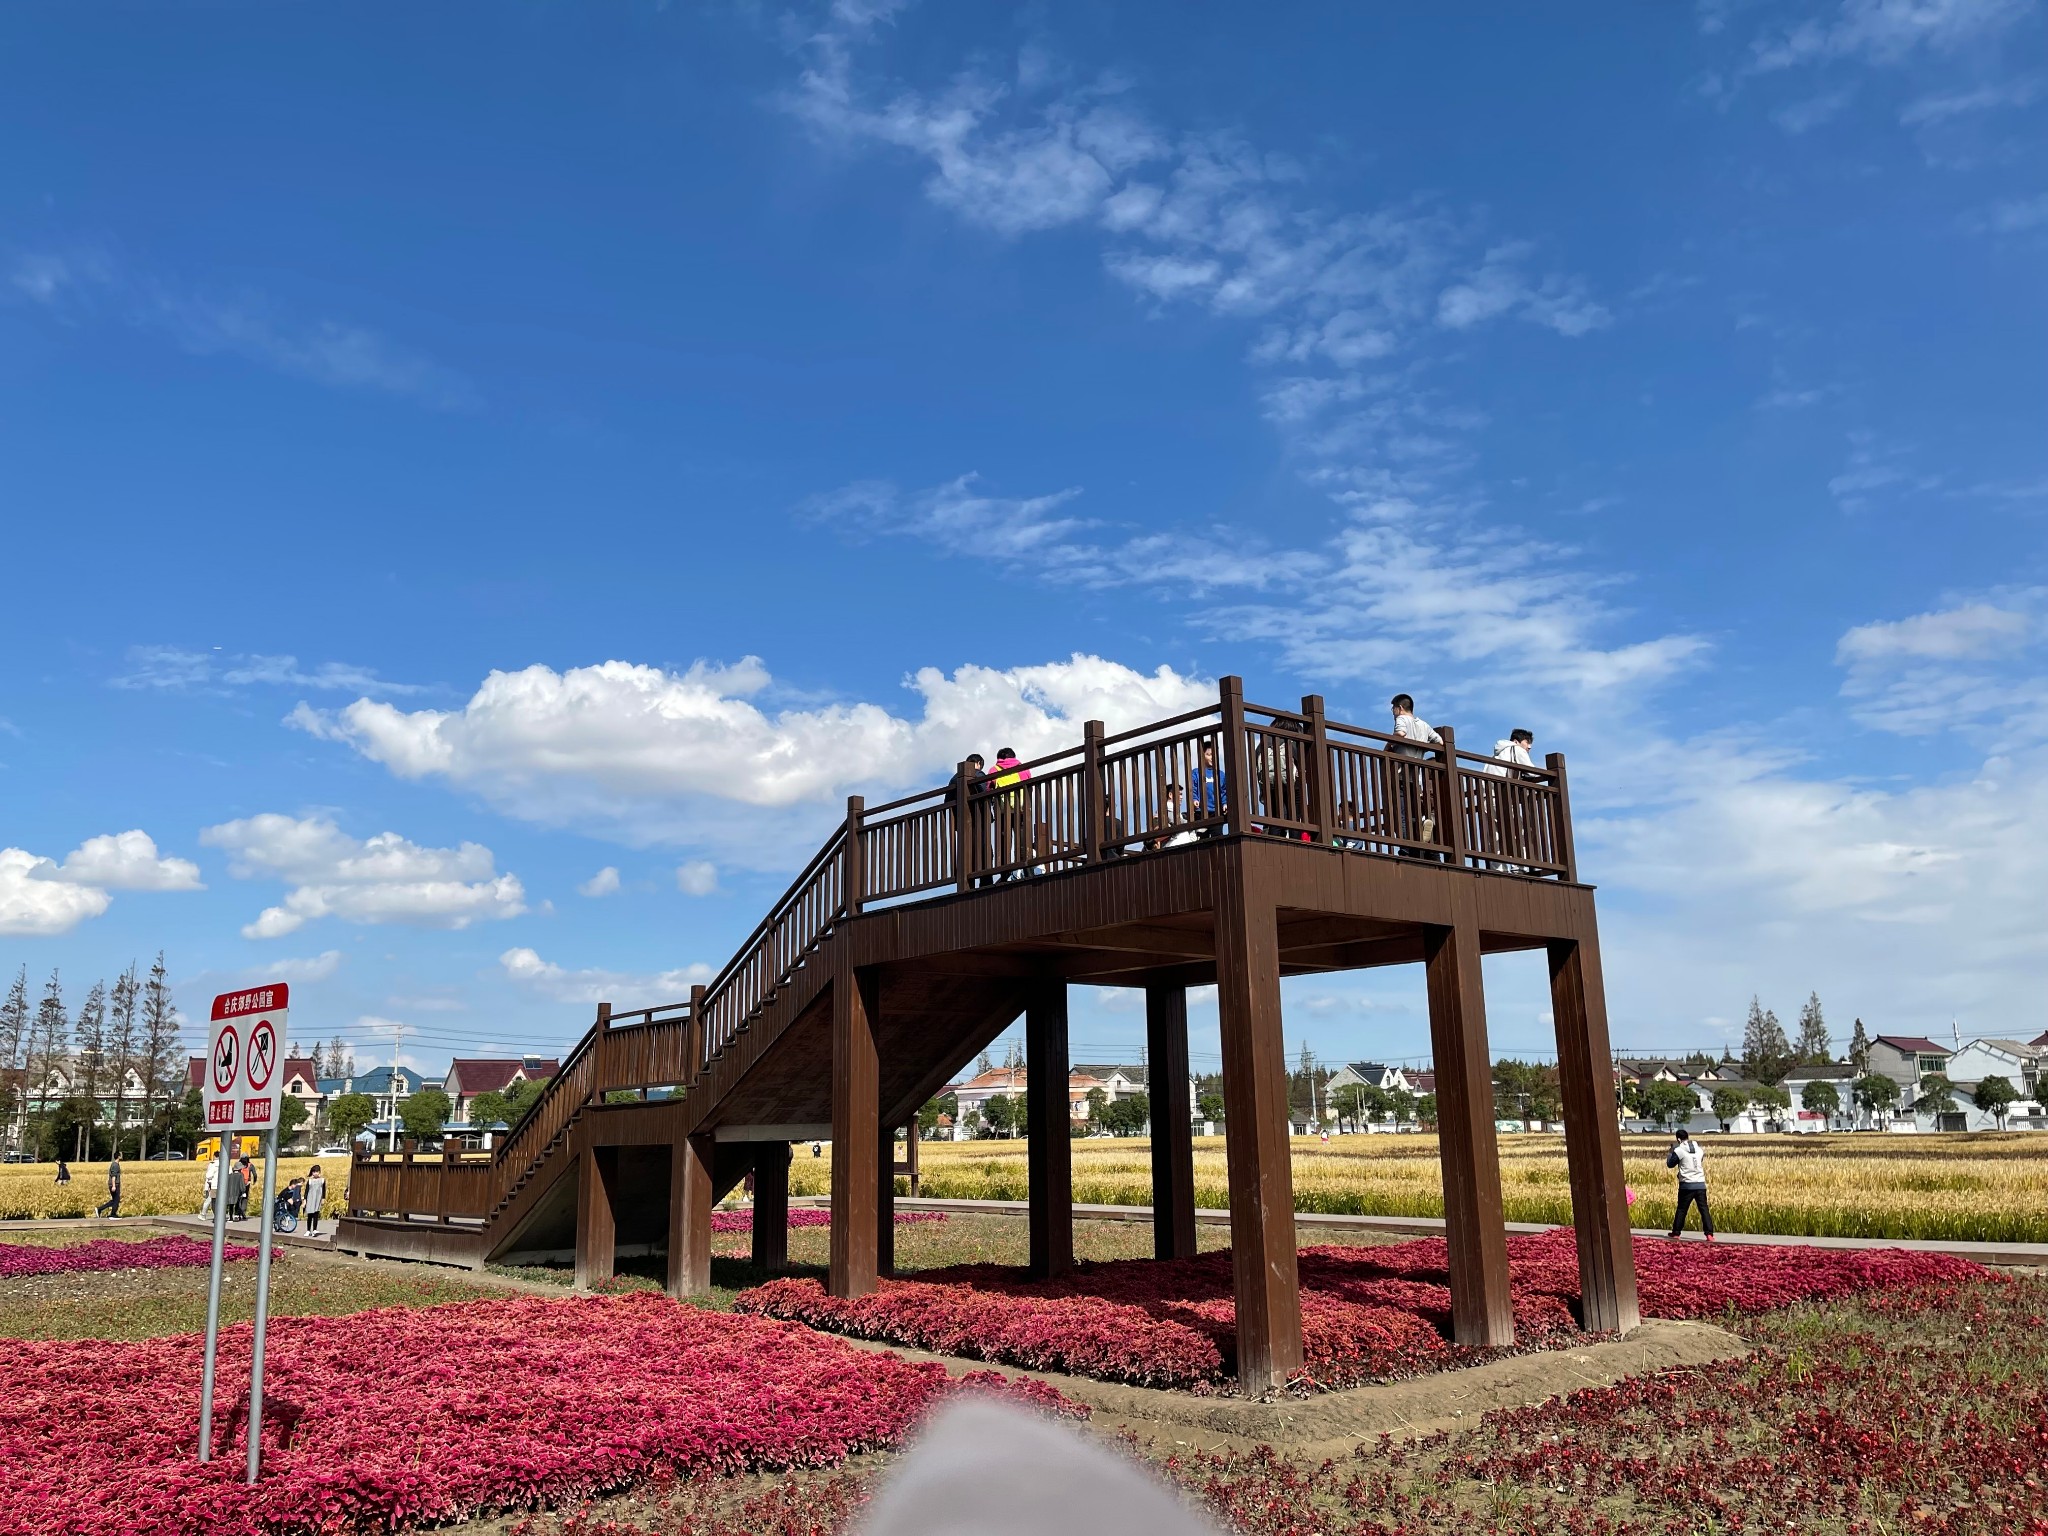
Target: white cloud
1929 110
622 989
383 879
1954 634
311 968
41 897
84 285
1499 287
697 877
2017 215
1808 113
632 747
174 667
1883 32
1874 466
604 883
1966 665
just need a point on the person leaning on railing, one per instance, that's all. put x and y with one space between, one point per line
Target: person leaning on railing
1413 804
1210 790
1511 758
1278 773
1013 836
970 776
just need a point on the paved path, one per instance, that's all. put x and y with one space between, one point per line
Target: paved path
2021 1254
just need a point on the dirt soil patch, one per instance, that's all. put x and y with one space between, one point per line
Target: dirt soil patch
1333 1423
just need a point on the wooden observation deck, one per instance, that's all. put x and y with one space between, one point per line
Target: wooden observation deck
924 927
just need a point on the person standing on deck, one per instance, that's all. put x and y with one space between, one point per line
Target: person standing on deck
971 777
1013 837
1509 757
1209 790
1691 1163
1415 807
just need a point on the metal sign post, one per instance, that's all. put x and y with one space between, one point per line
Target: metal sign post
243 1088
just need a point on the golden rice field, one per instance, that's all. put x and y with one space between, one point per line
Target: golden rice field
147 1189
1983 1187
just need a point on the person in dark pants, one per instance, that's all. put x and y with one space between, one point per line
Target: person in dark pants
1691 1164
113 1202
316 1196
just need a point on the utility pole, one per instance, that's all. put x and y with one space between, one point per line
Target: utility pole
397 1035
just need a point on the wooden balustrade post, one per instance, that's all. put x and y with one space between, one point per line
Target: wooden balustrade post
1566 844
693 1038
1235 764
1454 800
1320 810
856 869
1092 811
600 1052
964 840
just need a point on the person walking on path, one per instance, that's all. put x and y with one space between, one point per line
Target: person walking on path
238 1191
112 1205
63 1171
316 1196
212 1186
1691 1163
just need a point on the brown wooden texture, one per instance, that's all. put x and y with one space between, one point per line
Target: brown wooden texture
690 1198
1173 1143
1592 1139
1267 1280
1049 1152
856 1130
1481 1312
885 1202
771 1207
596 1219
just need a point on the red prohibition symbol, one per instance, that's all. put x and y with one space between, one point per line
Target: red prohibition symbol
262 1055
227 1059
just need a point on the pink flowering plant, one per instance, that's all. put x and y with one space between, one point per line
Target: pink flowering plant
19 1261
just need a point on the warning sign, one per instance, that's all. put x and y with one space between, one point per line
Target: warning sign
244 1051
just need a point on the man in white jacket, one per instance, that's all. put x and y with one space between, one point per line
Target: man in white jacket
1691 1163
1509 829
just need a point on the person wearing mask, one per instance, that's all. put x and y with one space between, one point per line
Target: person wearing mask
112 1206
316 1197
1691 1163
1415 811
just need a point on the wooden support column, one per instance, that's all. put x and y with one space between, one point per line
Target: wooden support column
1480 1309
1267 1280
856 1128
1592 1139
597 1226
1049 1154
885 1203
1173 1141
689 1217
771 1207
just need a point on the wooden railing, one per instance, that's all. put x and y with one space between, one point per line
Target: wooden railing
1228 769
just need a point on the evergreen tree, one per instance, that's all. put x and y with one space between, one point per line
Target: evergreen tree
48 1034
89 1053
336 1059
1859 1051
1814 1047
13 1036
1766 1053
159 1059
121 1044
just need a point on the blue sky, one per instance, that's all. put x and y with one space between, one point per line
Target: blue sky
450 454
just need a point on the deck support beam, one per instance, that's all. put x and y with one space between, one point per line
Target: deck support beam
597 1226
856 1128
1050 1150
1592 1139
1173 1143
885 1203
689 1216
1267 1279
771 1207
1481 1313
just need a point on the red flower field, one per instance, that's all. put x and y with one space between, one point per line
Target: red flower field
413 1416
1367 1313
21 1260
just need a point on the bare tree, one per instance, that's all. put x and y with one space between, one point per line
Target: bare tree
121 1043
160 1052
89 1065
13 1036
48 1035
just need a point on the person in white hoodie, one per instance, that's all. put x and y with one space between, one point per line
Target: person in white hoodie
1510 830
1691 1163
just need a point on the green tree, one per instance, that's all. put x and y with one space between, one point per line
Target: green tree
520 1100
1727 1104
1211 1106
1098 1106
1813 1047
1766 1053
488 1108
183 1119
1994 1096
425 1113
1668 1103
1937 1095
1859 1050
1349 1103
1402 1104
1377 1102
1876 1094
1129 1115
1822 1099
121 1044
1776 1100
1425 1110
928 1117
89 1053
292 1115
48 1033
999 1114
350 1114
159 1059
14 1017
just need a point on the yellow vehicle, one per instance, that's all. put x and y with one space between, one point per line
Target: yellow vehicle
244 1146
